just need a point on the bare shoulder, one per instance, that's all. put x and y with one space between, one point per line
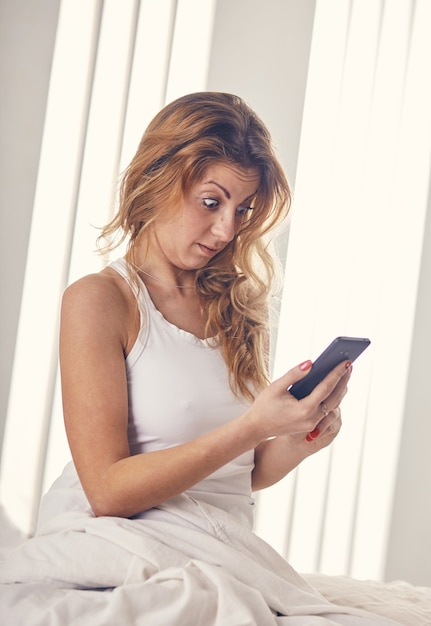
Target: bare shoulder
105 287
100 302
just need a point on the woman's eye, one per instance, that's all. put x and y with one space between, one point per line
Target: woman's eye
210 203
242 210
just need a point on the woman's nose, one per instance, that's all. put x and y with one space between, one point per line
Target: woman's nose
224 226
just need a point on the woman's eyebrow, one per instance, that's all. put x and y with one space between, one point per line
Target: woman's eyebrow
226 192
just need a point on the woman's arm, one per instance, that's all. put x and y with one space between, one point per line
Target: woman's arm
276 457
99 323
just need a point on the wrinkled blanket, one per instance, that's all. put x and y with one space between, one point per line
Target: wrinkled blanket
186 563
408 604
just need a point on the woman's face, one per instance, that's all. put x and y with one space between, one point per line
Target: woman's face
208 218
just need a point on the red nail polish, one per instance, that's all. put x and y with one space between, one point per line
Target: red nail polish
305 365
314 433
349 365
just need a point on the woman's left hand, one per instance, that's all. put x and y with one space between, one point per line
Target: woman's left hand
323 435
278 456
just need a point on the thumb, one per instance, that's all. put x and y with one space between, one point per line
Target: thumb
294 374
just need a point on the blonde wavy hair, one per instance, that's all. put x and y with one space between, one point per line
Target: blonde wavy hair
181 142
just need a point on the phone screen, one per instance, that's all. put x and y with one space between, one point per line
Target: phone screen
341 349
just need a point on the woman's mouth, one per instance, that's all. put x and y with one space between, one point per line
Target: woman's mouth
207 250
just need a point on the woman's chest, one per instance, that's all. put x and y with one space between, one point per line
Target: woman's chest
183 310
178 390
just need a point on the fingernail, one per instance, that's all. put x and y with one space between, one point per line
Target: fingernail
349 365
314 433
305 365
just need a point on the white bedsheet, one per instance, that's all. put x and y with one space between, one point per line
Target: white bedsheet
186 564
408 604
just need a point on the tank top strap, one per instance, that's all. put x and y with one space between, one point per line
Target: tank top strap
121 266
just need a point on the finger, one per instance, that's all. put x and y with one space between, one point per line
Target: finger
293 375
330 424
338 376
326 410
313 435
339 391
330 416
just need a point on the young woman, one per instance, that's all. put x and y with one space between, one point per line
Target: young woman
170 416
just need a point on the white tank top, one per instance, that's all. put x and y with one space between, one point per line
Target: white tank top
178 390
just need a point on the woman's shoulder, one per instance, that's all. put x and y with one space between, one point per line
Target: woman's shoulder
103 295
104 286
100 308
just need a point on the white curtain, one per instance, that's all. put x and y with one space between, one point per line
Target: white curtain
352 269
115 65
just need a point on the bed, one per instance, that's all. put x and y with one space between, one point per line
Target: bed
398 600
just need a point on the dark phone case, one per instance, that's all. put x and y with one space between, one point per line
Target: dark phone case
341 349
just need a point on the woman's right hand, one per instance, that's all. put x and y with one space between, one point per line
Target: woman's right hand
277 412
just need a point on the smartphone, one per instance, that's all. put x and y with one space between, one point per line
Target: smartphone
341 349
